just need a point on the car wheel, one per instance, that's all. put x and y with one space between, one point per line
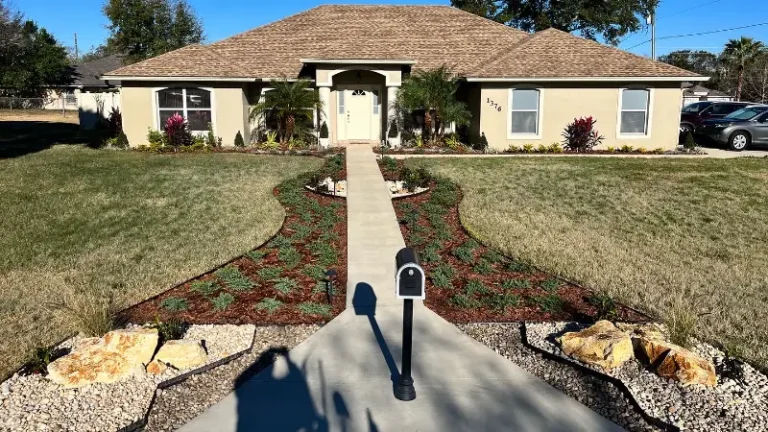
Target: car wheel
738 141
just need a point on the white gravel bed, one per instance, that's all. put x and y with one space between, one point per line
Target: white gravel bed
599 395
396 189
35 403
738 402
181 403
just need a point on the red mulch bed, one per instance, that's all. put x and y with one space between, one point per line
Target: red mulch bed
243 311
575 304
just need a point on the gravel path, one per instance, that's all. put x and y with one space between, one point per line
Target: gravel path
739 401
601 396
184 401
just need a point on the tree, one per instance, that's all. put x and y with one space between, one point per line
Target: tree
611 19
291 103
433 91
141 29
31 60
739 53
701 62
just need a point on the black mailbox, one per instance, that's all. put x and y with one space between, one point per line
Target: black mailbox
409 278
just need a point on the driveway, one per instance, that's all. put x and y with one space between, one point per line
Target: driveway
722 153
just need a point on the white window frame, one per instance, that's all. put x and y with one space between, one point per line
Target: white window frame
648 117
540 122
156 106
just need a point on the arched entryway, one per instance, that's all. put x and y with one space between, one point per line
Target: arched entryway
358 108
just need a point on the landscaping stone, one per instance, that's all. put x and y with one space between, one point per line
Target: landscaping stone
137 345
156 367
182 354
35 402
688 368
738 400
602 344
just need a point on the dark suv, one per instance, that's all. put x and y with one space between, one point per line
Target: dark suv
692 115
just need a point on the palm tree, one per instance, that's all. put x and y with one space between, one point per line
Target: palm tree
741 52
291 103
434 91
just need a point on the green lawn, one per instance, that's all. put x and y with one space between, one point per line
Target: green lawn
80 226
684 239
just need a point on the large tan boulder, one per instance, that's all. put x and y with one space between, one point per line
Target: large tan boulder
182 354
676 362
138 345
115 357
156 367
90 365
602 345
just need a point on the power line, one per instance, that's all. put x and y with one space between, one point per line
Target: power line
699 34
690 9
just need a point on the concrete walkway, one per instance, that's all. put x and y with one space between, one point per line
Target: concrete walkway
341 378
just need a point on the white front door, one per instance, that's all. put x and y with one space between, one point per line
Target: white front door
358 114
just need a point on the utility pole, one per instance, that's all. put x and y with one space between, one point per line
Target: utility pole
77 53
652 22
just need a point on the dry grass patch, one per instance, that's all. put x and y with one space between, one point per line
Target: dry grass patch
85 230
682 239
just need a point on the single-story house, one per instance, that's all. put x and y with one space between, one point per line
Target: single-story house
520 87
699 93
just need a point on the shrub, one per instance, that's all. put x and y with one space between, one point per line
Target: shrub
442 275
223 301
155 139
492 256
390 164
581 135
211 140
528 148
475 286
501 302
429 255
121 141
483 267
642 150
610 149
280 241
171 329
270 273
312 308
269 304
689 144
452 142
290 256
239 142
88 313
518 267
314 271
464 254
542 148
285 285
114 122
204 287
415 178
40 360
626 149
177 132
256 255
482 143
324 130
174 304
550 285
555 148
233 279
658 150
605 306
513 149
516 284
548 303
464 301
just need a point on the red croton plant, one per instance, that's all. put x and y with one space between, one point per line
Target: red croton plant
177 131
581 136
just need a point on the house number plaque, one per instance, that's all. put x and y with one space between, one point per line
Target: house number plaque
493 104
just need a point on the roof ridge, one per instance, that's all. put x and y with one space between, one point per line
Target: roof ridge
503 53
269 24
478 17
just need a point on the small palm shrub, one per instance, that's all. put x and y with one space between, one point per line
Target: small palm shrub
285 285
204 287
256 255
289 256
223 301
239 142
581 136
177 132
270 273
233 279
605 306
171 329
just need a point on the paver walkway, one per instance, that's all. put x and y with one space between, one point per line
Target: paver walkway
341 378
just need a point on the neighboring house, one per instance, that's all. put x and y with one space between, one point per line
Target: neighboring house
91 96
699 93
520 87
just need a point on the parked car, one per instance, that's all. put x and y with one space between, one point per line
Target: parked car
695 113
738 129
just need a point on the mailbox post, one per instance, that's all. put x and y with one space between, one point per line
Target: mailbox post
409 285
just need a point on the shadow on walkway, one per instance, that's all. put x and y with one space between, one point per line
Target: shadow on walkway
364 303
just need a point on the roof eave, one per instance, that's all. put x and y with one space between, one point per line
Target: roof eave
358 61
596 79
175 78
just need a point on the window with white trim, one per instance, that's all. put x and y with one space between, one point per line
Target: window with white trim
341 101
375 102
194 104
634 111
524 111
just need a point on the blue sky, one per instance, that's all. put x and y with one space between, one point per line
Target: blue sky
223 18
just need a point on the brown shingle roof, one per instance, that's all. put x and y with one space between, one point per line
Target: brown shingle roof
429 35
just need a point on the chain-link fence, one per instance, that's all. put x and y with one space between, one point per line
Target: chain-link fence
62 102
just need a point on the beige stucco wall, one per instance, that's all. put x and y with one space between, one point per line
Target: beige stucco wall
561 104
229 102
